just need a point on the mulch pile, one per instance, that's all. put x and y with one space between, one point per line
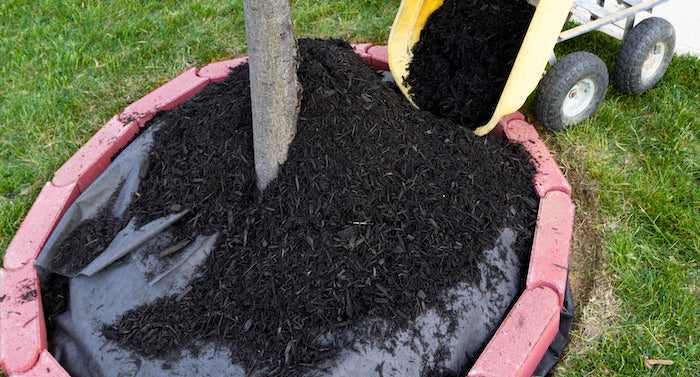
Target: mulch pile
378 210
464 56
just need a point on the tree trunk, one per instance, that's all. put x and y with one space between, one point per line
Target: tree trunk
272 57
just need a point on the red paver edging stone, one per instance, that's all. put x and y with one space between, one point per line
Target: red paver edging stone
379 57
46 212
549 259
361 49
529 328
165 97
44 367
515 350
95 155
511 117
22 326
498 131
548 176
220 70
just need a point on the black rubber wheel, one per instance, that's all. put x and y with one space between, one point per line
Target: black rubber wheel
571 91
644 56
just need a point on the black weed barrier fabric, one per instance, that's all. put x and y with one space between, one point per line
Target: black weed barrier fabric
378 211
464 56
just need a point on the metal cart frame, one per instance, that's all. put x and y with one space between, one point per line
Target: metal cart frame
600 16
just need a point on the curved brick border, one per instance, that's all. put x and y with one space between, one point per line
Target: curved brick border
220 70
524 336
515 349
22 326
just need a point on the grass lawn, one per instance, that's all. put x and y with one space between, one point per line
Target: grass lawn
642 155
68 66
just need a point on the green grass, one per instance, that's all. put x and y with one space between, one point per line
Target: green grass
68 66
644 153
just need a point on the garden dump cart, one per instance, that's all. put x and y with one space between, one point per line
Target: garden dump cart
572 88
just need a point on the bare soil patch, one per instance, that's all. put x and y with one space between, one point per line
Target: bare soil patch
596 304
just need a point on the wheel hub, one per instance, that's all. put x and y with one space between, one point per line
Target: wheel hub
653 60
579 97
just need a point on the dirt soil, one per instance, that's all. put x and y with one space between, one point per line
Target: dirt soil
591 289
586 256
378 210
464 56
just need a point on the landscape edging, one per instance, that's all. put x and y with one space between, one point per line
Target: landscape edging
549 258
166 97
22 325
534 316
529 328
549 177
88 162
46 365
218 71
37 226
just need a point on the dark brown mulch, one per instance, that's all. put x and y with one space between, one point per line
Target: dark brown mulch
378 209
87 241
464 57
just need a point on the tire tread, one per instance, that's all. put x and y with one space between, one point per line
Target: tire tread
559 80
633 52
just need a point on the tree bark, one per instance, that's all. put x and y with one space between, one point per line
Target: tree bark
275 90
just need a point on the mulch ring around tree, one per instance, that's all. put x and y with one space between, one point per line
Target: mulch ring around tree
464 56
378 210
